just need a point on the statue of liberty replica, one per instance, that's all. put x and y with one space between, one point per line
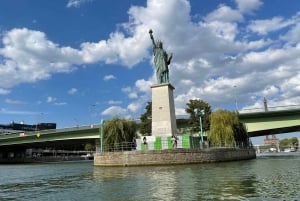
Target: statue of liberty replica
161 60
163 109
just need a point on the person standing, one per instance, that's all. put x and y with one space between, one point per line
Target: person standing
174 141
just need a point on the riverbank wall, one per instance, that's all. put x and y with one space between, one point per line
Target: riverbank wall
172 156
42 160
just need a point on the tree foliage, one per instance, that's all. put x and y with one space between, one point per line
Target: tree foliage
288 142
226 129
89 147
117 131
194 120
146 120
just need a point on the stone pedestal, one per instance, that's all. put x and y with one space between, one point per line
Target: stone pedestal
163 110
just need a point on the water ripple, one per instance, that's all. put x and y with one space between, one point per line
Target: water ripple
266 179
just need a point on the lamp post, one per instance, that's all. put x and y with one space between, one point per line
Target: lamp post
235 97
101 136
92 113
38 119
200 113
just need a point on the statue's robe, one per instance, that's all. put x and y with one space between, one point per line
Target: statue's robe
161 61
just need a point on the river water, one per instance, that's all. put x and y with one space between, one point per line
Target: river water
265 178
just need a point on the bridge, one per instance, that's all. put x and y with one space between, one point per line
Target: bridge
66 136
259 123
263 123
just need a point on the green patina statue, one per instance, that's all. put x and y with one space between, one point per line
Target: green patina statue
161 60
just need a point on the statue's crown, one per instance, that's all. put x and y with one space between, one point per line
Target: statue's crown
159 43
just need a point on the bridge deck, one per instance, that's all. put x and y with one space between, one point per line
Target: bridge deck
69 134
271 122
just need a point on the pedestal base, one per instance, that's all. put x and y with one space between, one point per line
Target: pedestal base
163 110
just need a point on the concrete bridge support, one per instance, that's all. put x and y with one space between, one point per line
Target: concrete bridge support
12 155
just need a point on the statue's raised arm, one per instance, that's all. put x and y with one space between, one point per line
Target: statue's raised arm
152 38
161 60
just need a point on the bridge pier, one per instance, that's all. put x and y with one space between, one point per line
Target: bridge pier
12 155
97 145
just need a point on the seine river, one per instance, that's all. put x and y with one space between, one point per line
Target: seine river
264 178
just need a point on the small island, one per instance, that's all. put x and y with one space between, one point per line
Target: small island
164 140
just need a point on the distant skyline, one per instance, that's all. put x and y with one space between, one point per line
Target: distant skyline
75 62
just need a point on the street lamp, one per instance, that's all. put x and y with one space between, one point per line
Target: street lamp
101 135
92 113
235 97
200 113
38 120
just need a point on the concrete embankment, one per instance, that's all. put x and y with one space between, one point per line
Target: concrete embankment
172 157
41 160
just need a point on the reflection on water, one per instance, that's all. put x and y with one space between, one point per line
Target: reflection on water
265 178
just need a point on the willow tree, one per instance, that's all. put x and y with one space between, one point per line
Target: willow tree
118 133
226 129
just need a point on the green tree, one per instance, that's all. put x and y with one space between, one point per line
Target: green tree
294 141
288 142
146 120
284 142
226 129
240 131
89 147
194 121
118 133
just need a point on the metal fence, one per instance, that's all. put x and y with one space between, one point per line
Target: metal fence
131 146
270 108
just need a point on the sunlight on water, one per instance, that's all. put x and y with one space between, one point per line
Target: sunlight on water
265 178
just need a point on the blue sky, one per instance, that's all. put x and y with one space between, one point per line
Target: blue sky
79 61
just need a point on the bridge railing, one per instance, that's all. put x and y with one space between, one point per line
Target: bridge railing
32 133
270 108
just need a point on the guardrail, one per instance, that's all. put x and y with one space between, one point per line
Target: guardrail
270 108
32 133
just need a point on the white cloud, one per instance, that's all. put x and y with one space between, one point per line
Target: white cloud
115 49
134 107
77 3
114 111
271 91
28 56
113 102
211 55
4 91
130 92
143 85
109 77
225 14
133 95
291 86
293 35
17 112
248 6
263 27
15 102
60 104
50 99
72 91
53 100
126 89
